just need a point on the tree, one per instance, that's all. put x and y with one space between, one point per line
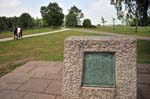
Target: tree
3 24
38 22
25 20
103 20
131 10
73 17
71 20
113 19
143 7
8 23
135 9
87 23
52 14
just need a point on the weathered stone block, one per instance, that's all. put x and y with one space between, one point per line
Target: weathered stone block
124 52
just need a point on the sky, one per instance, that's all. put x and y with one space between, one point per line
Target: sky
92 9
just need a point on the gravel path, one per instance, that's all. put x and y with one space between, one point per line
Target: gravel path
113 34
37 34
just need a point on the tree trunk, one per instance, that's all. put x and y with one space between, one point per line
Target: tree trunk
136 28
136 19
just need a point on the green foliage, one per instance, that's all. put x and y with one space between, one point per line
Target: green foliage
47 47
133 10
26 20
7 23
103 20
3 24
52 14
87 23
71 20
143 50
73 17
39 23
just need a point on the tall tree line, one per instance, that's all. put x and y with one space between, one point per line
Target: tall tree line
135 11
8 23
52 15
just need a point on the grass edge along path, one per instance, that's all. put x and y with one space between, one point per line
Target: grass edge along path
50 47
47 47
125 30
7 34
36 34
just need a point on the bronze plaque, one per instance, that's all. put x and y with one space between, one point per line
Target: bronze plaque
99 69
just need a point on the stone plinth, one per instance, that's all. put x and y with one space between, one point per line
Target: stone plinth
124 68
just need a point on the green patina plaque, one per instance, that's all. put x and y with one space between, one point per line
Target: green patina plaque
99 69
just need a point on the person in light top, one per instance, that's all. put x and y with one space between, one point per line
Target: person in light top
19 32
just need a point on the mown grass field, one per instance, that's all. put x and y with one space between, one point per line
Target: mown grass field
27 31
142 31
50 48
143 51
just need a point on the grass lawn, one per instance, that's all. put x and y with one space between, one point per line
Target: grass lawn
143 50
142 31
27 31
48 47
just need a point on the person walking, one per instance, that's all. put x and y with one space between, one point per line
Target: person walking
15 35
19 32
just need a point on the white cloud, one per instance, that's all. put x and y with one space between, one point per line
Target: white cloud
11 8
100 8
9 3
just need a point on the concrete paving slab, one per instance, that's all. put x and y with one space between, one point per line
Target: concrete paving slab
143 78
38 96
143 68
16 78
53 77
8 94
24 69
9 86
45 70
54 88
43 80
59 97
35 85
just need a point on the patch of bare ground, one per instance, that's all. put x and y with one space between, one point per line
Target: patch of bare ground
9 66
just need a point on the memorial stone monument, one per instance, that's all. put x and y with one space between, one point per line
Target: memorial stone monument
99 68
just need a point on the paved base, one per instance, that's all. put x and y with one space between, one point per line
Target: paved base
34 80
143 81
43 80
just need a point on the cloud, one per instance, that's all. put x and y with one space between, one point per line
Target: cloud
9 3
11 8
98 9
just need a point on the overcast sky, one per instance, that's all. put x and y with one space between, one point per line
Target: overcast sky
92 9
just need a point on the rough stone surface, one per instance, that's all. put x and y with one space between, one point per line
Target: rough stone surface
125 55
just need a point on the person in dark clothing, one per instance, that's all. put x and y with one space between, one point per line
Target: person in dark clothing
15 33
